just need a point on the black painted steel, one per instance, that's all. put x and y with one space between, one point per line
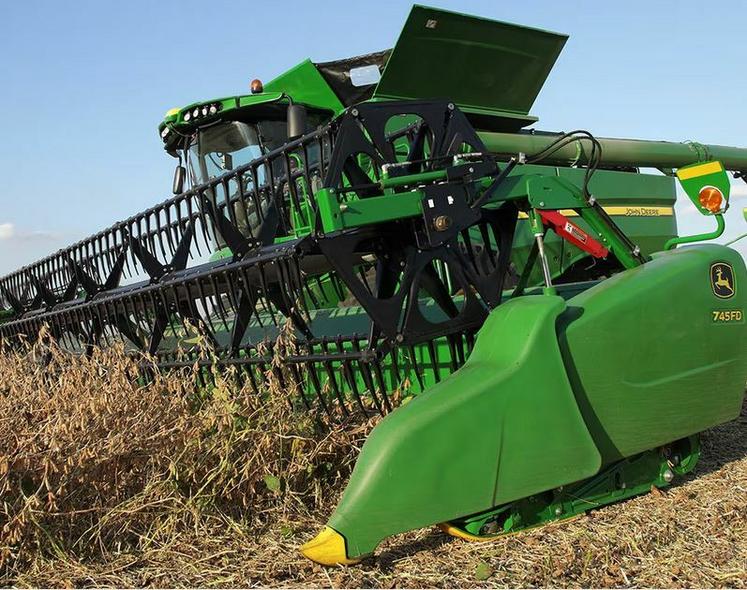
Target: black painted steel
258 308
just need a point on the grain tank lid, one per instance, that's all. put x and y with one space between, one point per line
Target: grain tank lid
489 68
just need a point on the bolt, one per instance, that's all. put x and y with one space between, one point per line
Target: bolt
668 475
542 203
450 106
400 338
354 112
558 510
636 251
343 207
442 223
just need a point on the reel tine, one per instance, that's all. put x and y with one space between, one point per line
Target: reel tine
460 349
188 203
231 290
249 369
159 233
332 379
169 229
293 291
382 384
366 375
431 348
395 364
140 313
266 301
314 378
300 284
205 317
347 372
453 364
220 309
204 224
123 239
286 302
133 326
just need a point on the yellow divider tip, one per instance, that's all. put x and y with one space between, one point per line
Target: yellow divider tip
327 548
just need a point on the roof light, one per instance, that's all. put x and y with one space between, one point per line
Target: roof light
187 116
256 86
204 110
711 198
213 109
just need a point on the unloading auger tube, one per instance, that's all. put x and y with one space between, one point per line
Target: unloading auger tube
616 152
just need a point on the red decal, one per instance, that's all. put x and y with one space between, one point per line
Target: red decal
574 234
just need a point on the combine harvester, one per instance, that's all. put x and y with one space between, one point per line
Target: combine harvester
385 226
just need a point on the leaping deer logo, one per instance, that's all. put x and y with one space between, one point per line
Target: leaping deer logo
722 280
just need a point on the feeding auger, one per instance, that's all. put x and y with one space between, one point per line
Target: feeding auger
364 240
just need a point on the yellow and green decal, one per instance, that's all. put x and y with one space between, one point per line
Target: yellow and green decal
707 185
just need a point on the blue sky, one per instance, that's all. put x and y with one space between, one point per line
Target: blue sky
85 83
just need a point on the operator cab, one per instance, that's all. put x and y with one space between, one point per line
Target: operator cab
235 139
213 139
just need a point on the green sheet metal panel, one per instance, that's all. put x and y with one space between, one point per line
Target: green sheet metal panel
482 65
505 426
647 358
306 85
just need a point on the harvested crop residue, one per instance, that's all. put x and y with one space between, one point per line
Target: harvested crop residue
108 481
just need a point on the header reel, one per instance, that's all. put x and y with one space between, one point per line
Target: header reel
392 213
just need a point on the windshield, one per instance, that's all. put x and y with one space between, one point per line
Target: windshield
218 149
213 151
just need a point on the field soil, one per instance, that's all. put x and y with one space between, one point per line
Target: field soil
109 481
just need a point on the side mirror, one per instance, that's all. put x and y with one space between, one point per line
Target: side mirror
180 173
296 120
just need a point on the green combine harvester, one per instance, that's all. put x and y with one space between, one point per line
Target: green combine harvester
386 227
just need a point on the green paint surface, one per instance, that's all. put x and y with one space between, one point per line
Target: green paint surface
646 360
554 390
471 441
